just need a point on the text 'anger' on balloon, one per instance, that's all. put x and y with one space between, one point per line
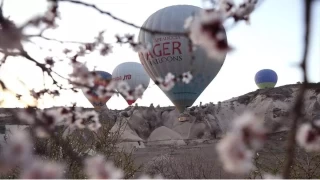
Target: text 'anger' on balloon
163 51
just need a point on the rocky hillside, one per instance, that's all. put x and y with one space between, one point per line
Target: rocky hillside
211 120
185 142
206 121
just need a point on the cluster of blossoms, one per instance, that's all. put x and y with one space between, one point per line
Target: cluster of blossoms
19 152
166 83
81 77
169 81
238 147
308 136
206 29
46 121
98 44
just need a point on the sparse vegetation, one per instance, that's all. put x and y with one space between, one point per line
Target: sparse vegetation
189 166
85 143
270 161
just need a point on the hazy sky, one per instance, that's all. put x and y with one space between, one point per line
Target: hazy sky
273 40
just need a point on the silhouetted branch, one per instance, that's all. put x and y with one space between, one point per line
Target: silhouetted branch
53 39
297 109
152 31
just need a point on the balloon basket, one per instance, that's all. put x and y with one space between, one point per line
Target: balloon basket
183 117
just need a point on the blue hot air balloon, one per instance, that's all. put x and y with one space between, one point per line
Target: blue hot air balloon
266 78
103 79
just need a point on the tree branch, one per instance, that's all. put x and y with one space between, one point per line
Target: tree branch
53 39
297 110
151 31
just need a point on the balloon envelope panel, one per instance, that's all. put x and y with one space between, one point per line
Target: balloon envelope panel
134 74
171 53
266 78
103 79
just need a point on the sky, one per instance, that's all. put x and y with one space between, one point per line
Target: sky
274 40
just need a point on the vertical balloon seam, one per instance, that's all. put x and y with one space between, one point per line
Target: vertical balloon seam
146 60
185 69
170 91
143 75
153 26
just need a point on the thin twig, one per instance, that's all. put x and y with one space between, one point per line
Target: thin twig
151 31
53 39
297 110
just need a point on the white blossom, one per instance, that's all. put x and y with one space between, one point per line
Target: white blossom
79 123
166 86
159 80
102 92
81 74
41 132
67 114
168 83
142 48
111 86
203 30
18 150
188 22
251 129
308 137
245 9
97 168
94 126
39 169
26 117
234 155
92 115
82 51
74 119
123 88
99 39
55 114
138 92
227 5
187 77
169 77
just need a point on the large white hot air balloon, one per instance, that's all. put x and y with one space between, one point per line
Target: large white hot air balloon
171 53
133 74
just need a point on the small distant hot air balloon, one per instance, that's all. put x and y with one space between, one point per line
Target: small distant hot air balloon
133 74
171 53
266 78
103 79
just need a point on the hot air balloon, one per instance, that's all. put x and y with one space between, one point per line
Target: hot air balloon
103 79
133 74
266 78
171 53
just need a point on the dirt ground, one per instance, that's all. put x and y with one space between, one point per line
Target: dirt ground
199 160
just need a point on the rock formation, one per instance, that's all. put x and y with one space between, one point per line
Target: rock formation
206 121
